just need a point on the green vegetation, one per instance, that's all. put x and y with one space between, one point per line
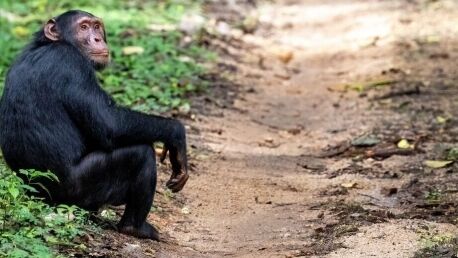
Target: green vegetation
433 196
437 245
29 227
157 75
152 70
452 154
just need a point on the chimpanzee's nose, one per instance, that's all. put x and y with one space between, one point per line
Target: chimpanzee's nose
97 39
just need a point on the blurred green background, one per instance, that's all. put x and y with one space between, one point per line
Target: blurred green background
152 68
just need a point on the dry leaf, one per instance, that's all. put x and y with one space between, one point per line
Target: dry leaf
338 88
404 144
283 54
441 120
349 185
132 50
365 141
437 163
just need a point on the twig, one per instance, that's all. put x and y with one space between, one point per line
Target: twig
335 150
385 153
402 92
370 196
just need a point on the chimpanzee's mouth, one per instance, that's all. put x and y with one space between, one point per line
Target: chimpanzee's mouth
105 53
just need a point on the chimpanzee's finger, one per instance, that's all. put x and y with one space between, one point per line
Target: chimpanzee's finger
176 184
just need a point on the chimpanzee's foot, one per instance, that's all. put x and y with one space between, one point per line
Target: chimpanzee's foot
145 231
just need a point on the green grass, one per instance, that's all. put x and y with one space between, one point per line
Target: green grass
29 227
156 80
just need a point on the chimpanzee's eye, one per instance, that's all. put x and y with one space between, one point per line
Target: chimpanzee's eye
83 27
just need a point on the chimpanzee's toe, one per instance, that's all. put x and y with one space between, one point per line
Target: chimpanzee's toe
145 231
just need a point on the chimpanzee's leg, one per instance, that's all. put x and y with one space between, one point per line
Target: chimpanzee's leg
124 176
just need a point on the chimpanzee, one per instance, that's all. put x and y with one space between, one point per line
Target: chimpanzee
55 116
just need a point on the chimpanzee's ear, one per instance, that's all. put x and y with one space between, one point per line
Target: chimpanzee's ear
50 30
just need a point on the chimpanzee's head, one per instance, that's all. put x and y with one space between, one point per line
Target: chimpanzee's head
84 31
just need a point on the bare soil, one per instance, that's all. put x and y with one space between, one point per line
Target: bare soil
274 172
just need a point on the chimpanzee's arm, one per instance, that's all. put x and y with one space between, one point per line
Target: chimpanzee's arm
135 127
111 127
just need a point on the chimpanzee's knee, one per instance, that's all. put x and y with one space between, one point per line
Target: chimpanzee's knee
146 156
146 159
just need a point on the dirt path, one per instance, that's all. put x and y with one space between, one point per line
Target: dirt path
261 186
259 190
253 198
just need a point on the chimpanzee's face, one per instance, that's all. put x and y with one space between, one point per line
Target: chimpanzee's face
90 39
82 30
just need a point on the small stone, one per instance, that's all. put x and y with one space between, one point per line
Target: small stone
185 210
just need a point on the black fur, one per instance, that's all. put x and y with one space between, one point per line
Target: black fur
55 116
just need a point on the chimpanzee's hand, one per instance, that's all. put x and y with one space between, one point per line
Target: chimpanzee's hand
179 163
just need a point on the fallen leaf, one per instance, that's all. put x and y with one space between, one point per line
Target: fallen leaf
439 56
334 150
185 59
268 144
283 54
312 163
437 163
132 50
380 82
162 27
349 185
433 39
338 88
363 86
365 141
404 144
359 87
441 119
385 152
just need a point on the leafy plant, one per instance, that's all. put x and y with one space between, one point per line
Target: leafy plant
28 226
452 154
437 245
433 196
